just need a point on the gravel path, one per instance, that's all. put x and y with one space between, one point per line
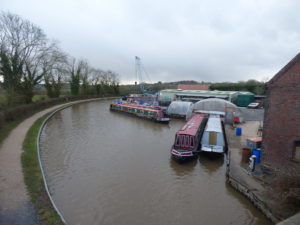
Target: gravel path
15 205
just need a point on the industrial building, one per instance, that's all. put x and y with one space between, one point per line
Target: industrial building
241 99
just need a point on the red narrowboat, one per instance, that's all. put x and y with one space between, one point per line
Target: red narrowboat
154 113
188 138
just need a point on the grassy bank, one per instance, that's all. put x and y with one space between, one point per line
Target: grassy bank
33 177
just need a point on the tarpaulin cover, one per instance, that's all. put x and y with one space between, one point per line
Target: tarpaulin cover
217 104
179 108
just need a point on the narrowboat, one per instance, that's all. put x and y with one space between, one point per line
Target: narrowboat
154 113
188 138
213 139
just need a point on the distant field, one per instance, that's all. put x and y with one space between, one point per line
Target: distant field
35 98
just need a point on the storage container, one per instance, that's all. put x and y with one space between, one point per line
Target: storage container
254 143
238 131
257 153
246 154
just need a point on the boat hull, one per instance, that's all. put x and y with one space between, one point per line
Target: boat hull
214 149
157 120
183 155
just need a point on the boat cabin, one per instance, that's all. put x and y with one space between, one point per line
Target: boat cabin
188 137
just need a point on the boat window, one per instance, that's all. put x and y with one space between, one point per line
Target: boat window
187 140
182 140
177 143
192 141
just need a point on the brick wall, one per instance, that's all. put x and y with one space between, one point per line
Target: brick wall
282 114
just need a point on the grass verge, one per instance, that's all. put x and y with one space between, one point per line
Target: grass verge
34 179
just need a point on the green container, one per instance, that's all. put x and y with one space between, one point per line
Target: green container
244 99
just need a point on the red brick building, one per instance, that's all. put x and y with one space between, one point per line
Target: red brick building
281 132
193 87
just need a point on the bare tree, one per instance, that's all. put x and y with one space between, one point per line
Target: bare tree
85 76
21 54
27 57
55 71
113 82
95 81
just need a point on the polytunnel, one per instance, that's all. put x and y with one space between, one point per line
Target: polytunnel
218 105
180 108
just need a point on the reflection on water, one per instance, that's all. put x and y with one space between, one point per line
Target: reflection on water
108 168
183 168
211 162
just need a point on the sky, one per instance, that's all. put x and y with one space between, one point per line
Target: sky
202 40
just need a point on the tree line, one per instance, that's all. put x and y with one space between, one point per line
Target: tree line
253 86
29 58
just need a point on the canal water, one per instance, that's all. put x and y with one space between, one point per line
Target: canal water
112 169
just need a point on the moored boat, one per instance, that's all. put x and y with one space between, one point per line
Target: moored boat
213 139
154 113
187 139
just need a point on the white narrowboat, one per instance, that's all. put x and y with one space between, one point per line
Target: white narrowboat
213 137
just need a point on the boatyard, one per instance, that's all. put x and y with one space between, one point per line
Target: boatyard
149 113
249 168
134 180
211 149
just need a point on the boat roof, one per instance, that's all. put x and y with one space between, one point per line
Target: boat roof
192 126
148 108
210 112
214 124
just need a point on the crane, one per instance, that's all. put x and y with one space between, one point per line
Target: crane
140 72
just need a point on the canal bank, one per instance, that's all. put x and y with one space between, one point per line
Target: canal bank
254 185
15 204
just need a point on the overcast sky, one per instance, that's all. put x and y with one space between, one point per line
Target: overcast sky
203 40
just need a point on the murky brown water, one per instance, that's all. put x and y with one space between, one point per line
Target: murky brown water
111 169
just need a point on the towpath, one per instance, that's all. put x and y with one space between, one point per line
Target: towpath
15 205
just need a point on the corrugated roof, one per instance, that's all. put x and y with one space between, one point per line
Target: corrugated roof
198 91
